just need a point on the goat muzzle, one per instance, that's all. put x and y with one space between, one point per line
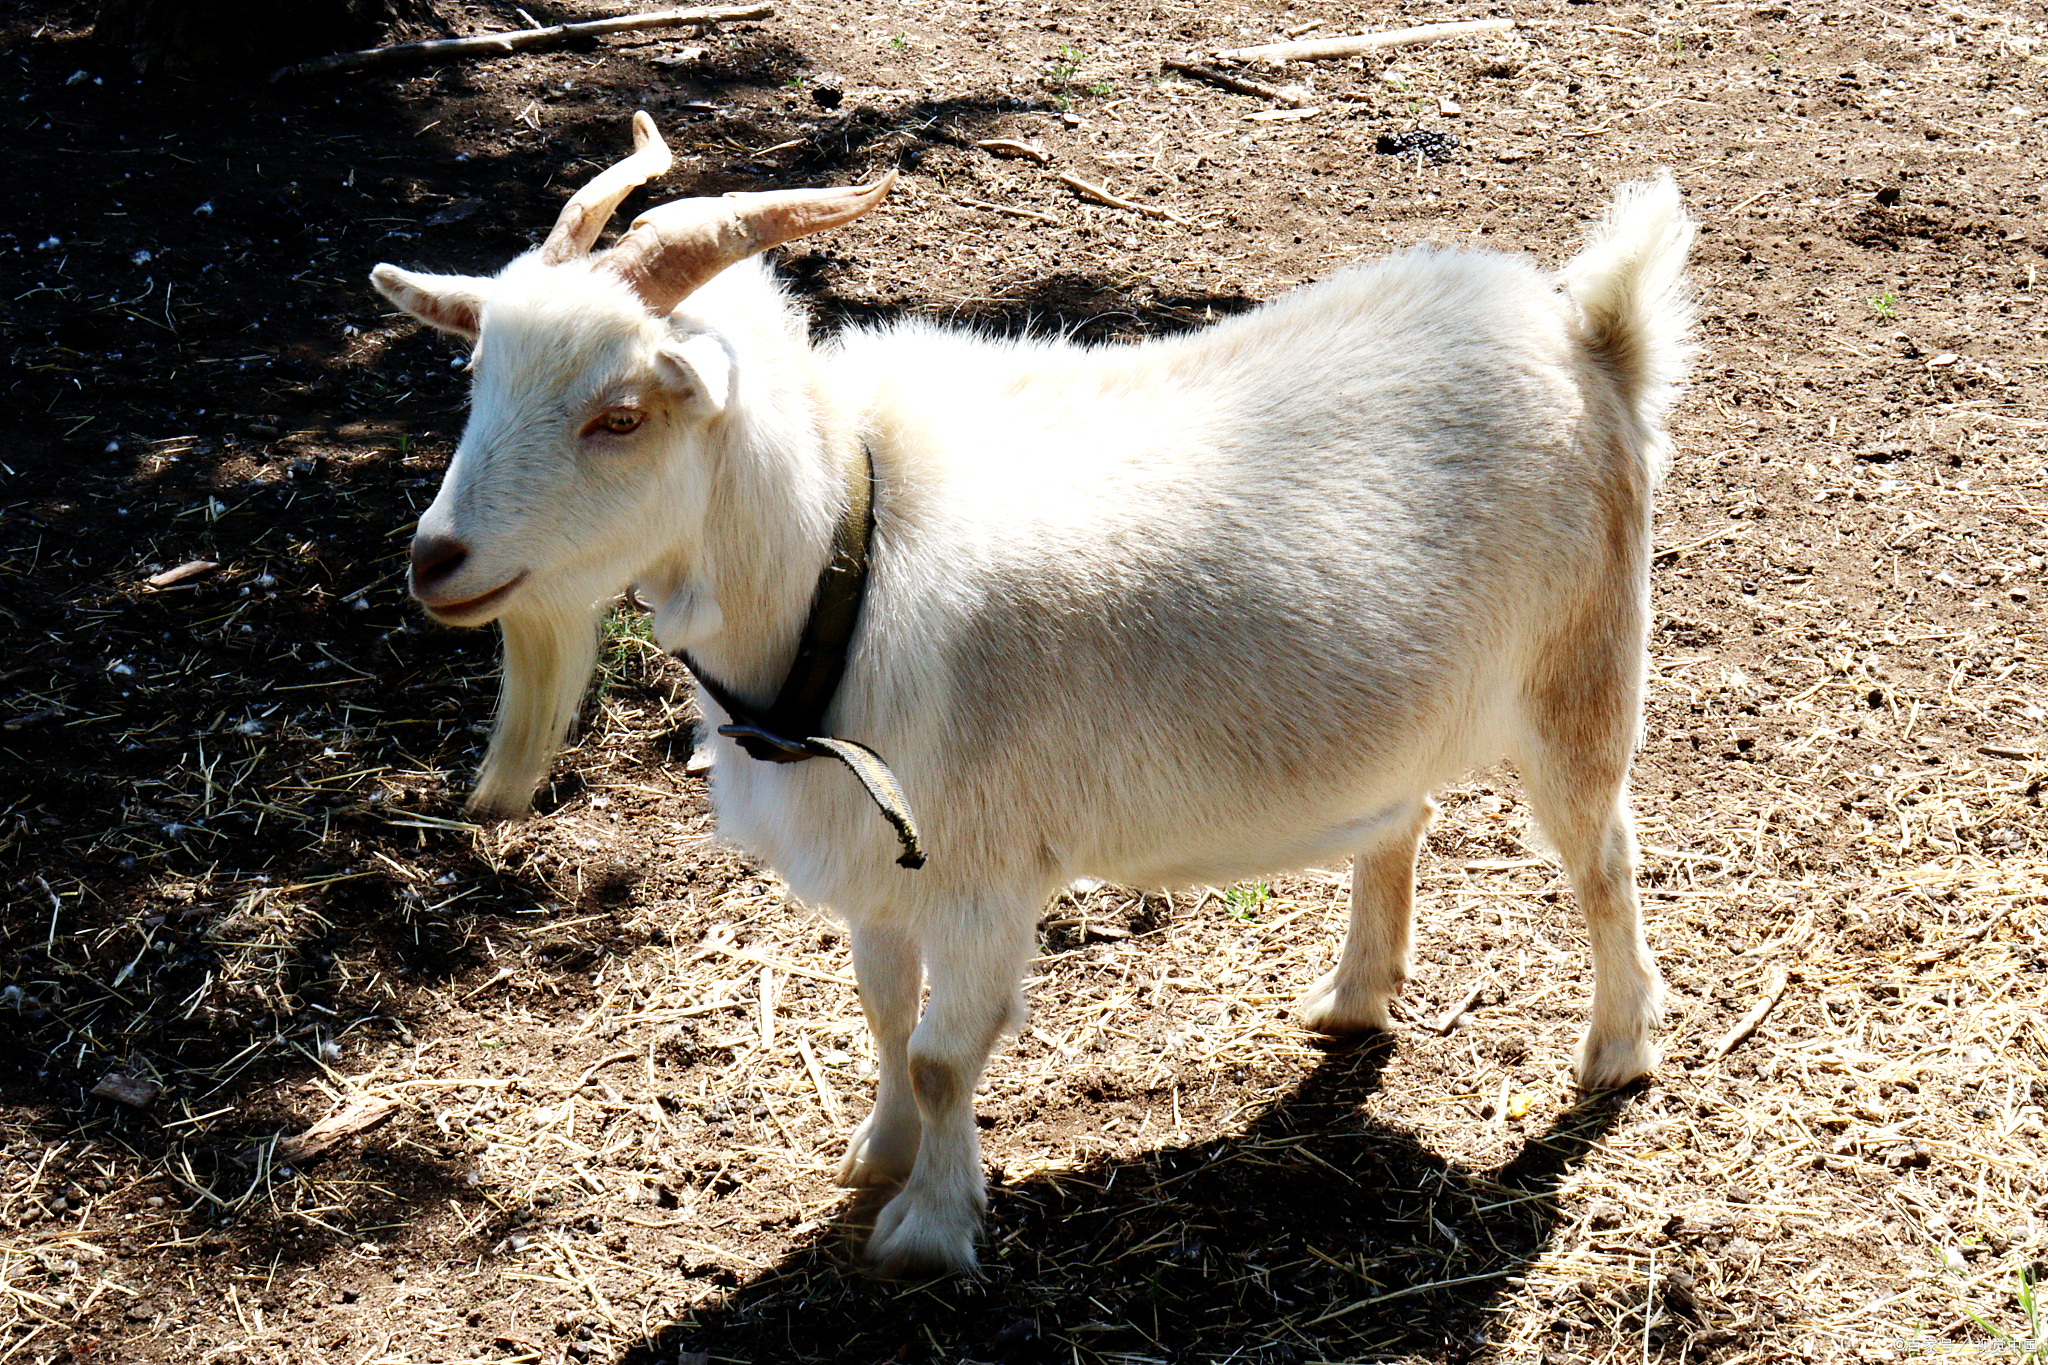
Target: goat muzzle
435 560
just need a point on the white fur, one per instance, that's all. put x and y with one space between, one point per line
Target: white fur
1187 611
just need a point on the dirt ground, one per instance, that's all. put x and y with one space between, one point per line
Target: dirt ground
609 1068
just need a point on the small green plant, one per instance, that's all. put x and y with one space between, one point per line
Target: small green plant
1100 88
1397 82
898 41
623 647
1061 71
2031 1349
1886 305
1243 902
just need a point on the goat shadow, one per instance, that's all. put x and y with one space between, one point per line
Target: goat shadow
1315 1232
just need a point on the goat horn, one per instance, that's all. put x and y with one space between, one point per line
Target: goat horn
673 248
585 215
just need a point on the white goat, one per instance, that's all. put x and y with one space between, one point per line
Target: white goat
1180 612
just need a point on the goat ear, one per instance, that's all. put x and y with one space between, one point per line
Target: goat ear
452 303
699 369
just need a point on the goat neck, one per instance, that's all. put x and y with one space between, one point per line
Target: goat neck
778 488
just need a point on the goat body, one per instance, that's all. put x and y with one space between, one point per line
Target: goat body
1186 611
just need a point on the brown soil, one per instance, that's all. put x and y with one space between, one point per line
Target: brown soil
237 871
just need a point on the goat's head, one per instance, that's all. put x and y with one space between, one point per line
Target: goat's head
584 384
591 407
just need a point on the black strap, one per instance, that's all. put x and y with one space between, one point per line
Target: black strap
789 730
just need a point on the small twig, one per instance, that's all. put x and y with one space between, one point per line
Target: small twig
1403 1293
766 1002
1746 1025
1291 96
1324 49
825 1095
1010 146
502 974
359 1117
520 40
121 977
2004 751
56 909
1674 551
191 568
1100 195
1449 1018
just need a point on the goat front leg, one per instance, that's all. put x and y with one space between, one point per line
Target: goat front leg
975 964
1356 995
884 1147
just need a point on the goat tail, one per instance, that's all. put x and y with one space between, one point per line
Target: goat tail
1636 309
549 656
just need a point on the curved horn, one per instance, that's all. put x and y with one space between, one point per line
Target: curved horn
585 215
673 248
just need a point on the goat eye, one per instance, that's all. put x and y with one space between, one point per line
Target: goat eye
619 421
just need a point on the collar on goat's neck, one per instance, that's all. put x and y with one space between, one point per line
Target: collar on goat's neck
790 728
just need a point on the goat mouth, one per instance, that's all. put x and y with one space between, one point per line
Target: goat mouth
466 611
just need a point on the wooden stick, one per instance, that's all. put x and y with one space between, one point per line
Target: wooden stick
1089 190
1290 97
1010 146
1448 1020
1324 49
1746 1025
359 1117
191 568
519 40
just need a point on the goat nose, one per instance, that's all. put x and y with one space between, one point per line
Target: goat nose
435 560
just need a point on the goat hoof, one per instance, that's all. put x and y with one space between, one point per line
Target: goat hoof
1613 1061
1327 1007
913 1238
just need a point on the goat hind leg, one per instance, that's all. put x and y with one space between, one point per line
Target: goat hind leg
1575 768
975 967
1356 994
884 1147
